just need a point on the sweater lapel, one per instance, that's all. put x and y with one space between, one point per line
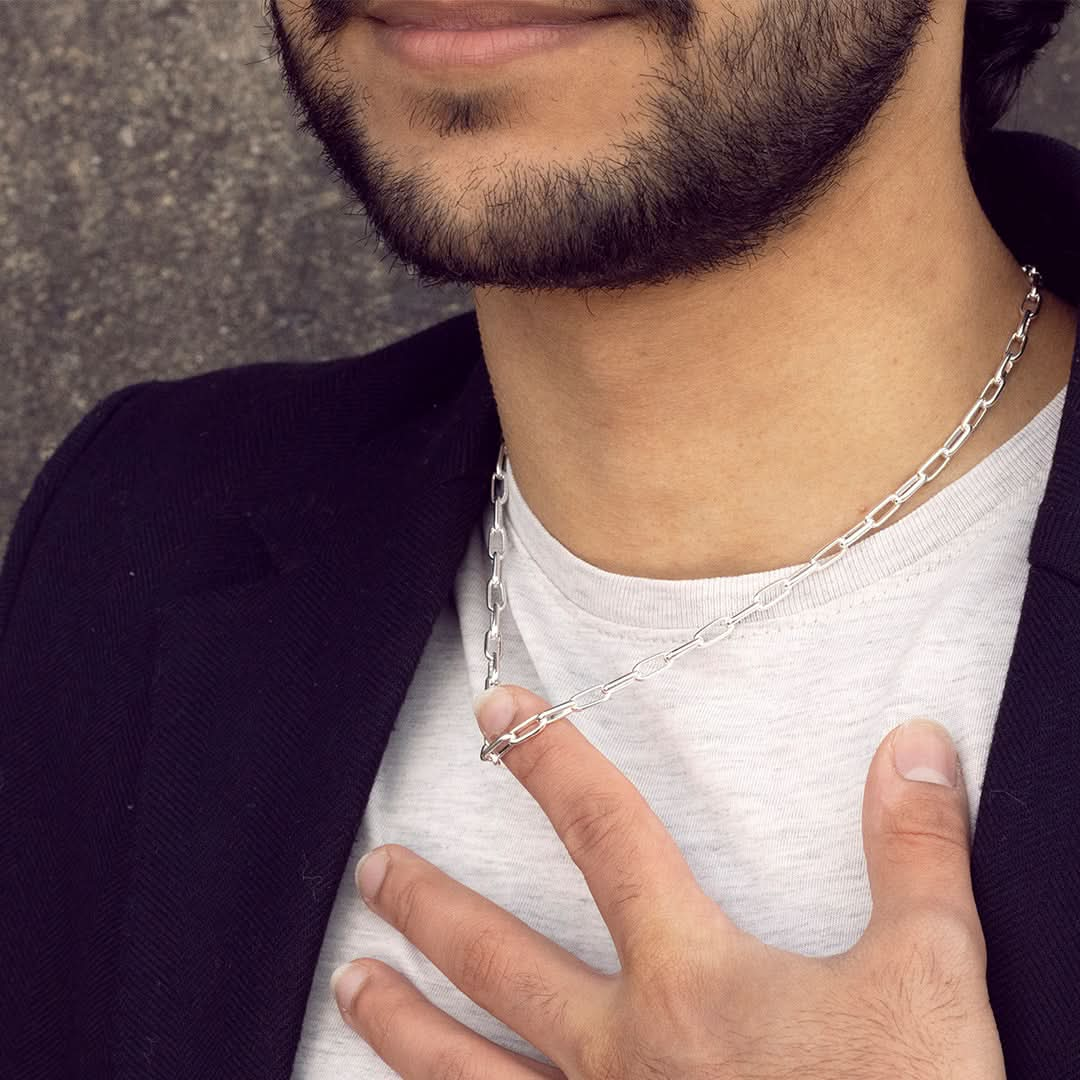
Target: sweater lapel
273 700
1026 845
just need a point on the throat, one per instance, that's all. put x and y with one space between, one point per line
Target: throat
663 504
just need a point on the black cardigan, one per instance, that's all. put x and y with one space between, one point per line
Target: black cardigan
211 606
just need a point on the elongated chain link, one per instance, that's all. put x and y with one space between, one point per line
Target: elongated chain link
767 596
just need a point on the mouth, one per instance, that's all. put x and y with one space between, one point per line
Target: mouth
464 44
486 14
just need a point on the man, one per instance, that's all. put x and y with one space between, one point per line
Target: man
739 268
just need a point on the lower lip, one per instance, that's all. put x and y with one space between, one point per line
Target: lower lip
431 48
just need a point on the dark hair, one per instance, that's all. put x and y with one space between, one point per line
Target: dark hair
1001 40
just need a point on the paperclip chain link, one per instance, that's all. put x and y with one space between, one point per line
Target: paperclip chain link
765 597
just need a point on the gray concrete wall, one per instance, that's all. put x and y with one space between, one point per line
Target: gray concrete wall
160 215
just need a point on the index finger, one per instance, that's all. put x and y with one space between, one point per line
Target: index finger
636 873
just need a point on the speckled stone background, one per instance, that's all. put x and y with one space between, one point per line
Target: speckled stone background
161 216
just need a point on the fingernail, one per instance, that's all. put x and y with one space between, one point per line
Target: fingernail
494 709
345 982
370 871
923 750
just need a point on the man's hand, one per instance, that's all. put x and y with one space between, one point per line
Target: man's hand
696 997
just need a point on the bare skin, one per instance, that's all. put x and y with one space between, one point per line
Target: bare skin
735 417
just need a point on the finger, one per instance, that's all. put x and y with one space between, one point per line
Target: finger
636 873
916 831
543 992
416 1039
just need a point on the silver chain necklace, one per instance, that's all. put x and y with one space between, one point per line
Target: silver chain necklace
770 594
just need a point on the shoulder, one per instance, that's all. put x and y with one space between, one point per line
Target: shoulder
275 404
157 458
257 417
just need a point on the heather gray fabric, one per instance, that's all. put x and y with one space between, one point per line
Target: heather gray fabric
754 753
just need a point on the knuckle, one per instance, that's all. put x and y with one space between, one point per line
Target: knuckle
455 1062
538 754
626 892
385 1018
480 957
405 900
537 994
923 826
599 824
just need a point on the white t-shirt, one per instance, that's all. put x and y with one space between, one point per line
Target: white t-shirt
754 753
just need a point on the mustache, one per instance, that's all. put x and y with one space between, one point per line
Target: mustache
671 18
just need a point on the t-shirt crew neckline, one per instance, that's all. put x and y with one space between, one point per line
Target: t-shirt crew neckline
994 483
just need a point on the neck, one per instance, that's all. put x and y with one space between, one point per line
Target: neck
738 422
